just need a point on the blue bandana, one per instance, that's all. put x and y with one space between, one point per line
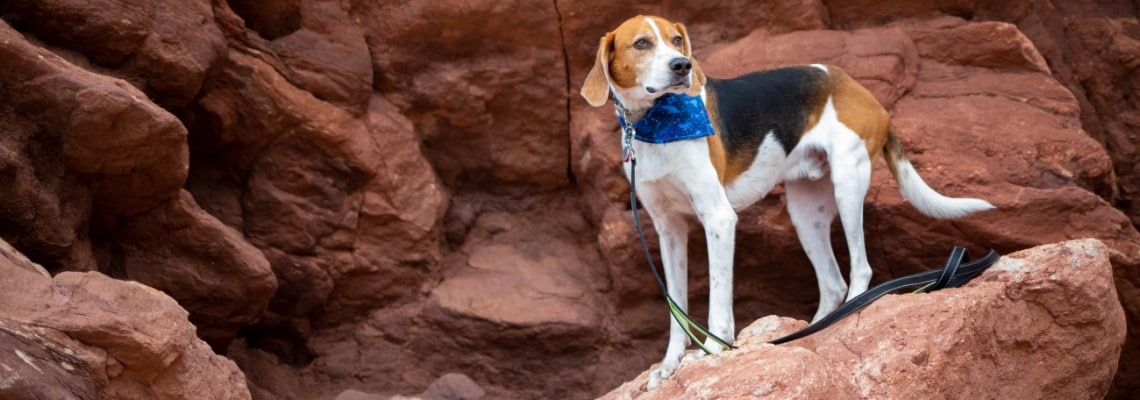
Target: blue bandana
674 117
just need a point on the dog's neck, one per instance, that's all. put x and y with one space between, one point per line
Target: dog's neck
630 109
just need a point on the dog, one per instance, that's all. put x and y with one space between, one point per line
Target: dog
811 127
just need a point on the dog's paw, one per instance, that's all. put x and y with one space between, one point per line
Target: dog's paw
663 372
659 375
714 346
693 355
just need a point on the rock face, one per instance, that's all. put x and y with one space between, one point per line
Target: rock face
483 102
355 194
85 335
1041 323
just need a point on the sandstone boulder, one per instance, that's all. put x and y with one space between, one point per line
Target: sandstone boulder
82 143
44 364
1041 323
453 386
165 48
84 335
222 280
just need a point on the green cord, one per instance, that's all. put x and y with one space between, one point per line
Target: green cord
687 324
925 287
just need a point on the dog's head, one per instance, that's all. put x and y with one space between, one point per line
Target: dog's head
644 58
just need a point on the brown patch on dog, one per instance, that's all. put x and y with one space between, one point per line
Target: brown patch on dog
627 61
860 111
819 102
716 147
596 88
894 152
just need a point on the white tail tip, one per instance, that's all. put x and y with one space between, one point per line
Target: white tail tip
931 203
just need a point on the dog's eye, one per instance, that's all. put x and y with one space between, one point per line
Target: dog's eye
678 41
642 44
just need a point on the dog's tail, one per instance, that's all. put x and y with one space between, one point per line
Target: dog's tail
918 193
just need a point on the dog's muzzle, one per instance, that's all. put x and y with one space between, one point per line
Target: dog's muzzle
680 67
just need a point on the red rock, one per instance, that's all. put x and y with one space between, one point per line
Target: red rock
1091 49
109 31
269 19
122 339
516 293
360 216
44 209
327 55
489 102
453 387
353 394
218 277
1042 322
38 366
134 161
1095 50
539 279
397 238
326 161
165 48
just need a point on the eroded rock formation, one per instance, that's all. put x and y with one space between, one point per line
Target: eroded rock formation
349 194
1001 335
85 335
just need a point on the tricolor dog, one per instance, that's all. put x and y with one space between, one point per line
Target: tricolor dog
716 146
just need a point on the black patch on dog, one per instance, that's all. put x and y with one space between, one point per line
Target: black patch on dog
777 101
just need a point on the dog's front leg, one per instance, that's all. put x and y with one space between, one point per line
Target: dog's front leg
719 220
673 233
720 233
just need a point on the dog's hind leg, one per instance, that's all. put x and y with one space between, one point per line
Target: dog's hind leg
851 175
673 233
811 205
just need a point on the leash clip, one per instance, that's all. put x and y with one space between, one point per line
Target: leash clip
627 144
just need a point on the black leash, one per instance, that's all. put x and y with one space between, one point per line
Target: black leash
953 274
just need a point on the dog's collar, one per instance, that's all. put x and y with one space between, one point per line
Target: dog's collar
672 118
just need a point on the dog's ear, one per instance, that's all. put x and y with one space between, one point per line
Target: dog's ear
698 77
596 89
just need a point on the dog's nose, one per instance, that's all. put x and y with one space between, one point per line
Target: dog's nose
680 65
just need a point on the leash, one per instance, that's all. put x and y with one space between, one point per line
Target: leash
954 274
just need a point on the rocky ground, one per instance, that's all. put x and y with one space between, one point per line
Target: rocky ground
997 337
375 196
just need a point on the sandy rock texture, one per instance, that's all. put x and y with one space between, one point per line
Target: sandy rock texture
83 335
373 195
999 336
